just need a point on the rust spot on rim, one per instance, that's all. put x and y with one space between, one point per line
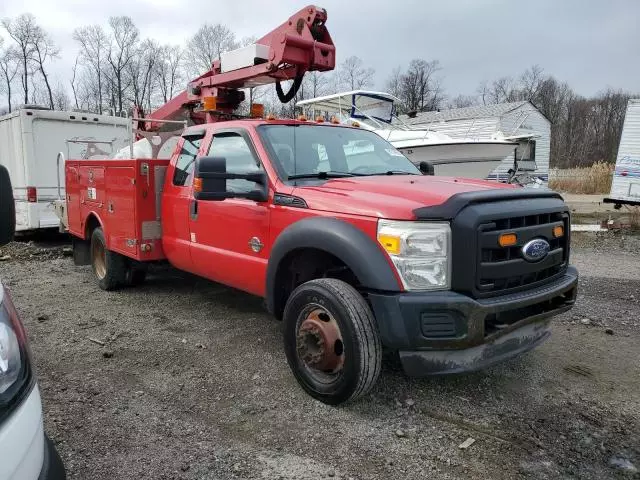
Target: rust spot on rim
319 342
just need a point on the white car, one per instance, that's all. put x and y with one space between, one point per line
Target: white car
26 452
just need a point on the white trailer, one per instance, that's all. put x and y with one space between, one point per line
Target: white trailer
30 140
625 186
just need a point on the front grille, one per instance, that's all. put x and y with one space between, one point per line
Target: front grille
502 269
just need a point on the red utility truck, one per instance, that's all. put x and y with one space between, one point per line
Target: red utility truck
351 245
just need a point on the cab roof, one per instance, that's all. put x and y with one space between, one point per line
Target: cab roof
255 122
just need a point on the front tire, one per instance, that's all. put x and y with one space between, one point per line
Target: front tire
331 341
109 267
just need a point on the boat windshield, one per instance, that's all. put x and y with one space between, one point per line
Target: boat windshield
323 151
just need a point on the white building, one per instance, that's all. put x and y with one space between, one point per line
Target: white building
485 121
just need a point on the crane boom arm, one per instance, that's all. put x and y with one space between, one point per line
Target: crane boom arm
301 44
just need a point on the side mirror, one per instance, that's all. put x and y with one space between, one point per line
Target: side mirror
210 181
7 208
426 168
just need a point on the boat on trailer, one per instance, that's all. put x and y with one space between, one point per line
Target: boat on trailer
376 111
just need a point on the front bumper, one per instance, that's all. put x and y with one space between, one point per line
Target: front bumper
447 332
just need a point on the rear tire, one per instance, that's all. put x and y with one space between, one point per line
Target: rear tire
110 268
7 208
350 367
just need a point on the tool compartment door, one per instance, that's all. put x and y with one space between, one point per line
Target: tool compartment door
72 184
119 210
92 186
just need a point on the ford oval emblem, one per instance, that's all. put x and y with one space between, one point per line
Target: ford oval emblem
535 250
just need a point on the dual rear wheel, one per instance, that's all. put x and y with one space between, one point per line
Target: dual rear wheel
111 269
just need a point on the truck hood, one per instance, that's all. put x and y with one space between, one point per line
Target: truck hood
387 196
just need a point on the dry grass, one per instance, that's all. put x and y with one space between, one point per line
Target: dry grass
590 180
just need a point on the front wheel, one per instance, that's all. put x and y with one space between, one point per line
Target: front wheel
331 341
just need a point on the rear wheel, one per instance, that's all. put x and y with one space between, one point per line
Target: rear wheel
109 267
331 341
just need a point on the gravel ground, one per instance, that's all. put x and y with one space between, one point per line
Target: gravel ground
192 383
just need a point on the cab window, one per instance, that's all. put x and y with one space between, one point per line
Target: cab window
182 175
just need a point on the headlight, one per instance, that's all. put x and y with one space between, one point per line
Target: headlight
419 251
16 377
10 358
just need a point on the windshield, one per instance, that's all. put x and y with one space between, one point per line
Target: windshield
312 150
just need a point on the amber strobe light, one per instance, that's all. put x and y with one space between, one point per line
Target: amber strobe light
507 239
558 231
257 110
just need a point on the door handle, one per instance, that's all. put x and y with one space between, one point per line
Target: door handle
193 209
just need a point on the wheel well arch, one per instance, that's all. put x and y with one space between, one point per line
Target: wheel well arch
308 263
319 247
90 225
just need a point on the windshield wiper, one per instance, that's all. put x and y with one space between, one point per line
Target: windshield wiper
321 175
391 172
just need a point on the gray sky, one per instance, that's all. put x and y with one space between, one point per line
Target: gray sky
590 44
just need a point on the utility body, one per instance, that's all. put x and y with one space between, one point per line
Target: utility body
350 244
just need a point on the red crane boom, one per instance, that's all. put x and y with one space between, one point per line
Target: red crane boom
301 44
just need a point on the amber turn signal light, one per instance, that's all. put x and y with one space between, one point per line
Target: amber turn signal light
507 239
197 184
558 231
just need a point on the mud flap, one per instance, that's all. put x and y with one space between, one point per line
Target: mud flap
81 252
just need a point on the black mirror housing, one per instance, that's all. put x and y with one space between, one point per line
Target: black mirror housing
210 181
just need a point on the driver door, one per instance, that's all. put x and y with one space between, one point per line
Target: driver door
230 240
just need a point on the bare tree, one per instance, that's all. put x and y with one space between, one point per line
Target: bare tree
61 100
85 89
44 50
122 50
141 70
531 82
9 66
462 101
503 90
394 82
168 70
483 92
94 47
206 46
353 75
420 89
23 30
73 81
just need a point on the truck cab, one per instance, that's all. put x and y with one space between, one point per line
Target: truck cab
349 243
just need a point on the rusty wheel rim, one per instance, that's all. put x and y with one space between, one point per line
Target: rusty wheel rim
319 343
99 256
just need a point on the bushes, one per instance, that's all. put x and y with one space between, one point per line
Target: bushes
595 179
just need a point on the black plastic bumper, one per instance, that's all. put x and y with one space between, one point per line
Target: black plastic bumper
447 332
52 466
